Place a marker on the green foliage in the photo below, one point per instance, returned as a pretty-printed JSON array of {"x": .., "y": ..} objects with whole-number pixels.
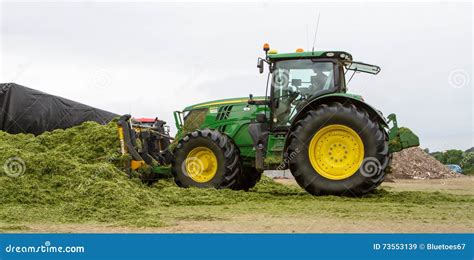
[
  {"x": 440, "y": 156},
  {"x": 454, "y": 156},
  {"x": 463, "y": 158}
]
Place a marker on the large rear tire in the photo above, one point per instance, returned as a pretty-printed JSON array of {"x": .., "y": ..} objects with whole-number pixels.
[
  {"x": 337, "y": 149},
  {"x": 206, "y": 159}
]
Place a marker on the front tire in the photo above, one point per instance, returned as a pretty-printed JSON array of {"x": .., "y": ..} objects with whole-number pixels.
[
  {"x": 206, "y": 159},
  {"x": 338, "y": 149}
]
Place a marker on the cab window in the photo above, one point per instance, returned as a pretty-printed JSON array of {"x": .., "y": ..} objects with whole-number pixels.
[{"x": 294, "y": 81}]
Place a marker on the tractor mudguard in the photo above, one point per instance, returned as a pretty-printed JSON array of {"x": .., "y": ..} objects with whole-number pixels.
[
  {"x": 342, "y": 98},
  {"x": 399, "y": 137}
]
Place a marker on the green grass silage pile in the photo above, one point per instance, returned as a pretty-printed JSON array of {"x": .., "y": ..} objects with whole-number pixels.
[
  {"x": 72, "y": 174},
  {"x": 75, "y": 176}
]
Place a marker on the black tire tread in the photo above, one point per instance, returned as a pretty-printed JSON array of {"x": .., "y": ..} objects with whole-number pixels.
[
  {"x": 372, "y": 126},
  {"x": 229, "y": 149}
]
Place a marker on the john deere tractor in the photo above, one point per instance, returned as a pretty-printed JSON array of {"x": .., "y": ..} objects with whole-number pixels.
[{"x": 333, "y": 142}]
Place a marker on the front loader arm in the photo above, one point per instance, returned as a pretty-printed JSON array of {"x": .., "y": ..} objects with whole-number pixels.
[
  {"x": 128, "y": 142},
  {"x": 145, "y": 145}
]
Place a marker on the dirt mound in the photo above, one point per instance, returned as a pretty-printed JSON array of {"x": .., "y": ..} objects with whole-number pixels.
[{"x": 414, "y": 163}]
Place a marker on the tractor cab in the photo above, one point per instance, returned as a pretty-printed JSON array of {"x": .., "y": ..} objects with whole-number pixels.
[{"x": 300, "y": 77}]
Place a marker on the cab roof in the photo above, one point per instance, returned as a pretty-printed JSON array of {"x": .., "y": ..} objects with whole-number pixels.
[{"x": 342, "y": 55}]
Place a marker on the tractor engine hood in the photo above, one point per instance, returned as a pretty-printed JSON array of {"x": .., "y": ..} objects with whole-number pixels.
[{"x": 219, "y": 102}]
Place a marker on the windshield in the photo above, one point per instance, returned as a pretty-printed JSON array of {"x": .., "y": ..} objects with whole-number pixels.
[{"x": 296, "y": 80}]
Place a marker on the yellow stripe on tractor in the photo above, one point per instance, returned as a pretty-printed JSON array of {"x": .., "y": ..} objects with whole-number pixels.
[
  {"x": 226, "y": 102},
  {"x": 123, "y": 149},
  {"x": 126, "y": 146}
]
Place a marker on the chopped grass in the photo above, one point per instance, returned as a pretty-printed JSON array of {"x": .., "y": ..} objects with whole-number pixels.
[{"x": 74, "y": 176}]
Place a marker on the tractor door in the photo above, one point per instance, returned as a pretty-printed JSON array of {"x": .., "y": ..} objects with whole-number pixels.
[{"x": 296, "y": 81}]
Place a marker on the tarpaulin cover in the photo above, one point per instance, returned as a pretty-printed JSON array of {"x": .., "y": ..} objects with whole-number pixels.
[{"x": 26, "y": 110}]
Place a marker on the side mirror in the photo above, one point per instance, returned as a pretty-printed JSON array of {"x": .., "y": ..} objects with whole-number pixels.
[{"x": 260, "y": 65}]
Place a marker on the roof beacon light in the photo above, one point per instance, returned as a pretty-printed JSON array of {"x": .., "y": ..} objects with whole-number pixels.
[
  {"x": 266, "y": 47},
  {"x": 299, "y": 50}
]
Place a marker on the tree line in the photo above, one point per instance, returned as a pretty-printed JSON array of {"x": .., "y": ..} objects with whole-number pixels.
[{"x": 465, "y": 159}]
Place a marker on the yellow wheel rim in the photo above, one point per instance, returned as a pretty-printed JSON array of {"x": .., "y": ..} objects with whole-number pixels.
[
  {"x": 201, "y": 164},
  {"x": 336, "y": 152}
]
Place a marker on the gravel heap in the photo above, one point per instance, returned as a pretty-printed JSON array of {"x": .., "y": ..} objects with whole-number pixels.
[{"x": 414, "y": 163}]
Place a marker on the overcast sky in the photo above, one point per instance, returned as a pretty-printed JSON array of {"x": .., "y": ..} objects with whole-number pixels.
[{"x": 149, "y": 59}]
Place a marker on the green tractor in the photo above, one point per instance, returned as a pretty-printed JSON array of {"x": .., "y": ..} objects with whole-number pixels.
[{"x": 333, "y": 142}]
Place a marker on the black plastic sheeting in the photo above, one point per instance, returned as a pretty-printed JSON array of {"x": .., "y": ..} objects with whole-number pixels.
[{"x": 26, "y": 110}]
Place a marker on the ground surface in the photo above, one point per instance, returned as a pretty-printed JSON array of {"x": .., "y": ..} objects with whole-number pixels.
[{"x": 402, "y": 206}]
